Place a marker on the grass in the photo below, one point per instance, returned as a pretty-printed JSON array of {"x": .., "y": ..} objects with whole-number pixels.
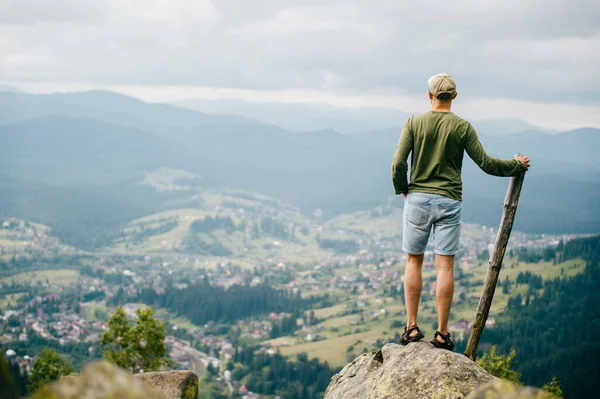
[
  {"x": 164, "y": 178},
  {"x": 247, "y": 250},
  {"x": 101, "y": 306},
  {"x": 182, "y": 322},
  {"x": 325, "y": 313},
  {"x": 166, "y": 242},
  {"x": 11, "y": 242},
  {"x": 545, "y": 269},
  {"x": 55, "y": 277},
  {"x": 10, "y": 299},
  {"x": 342, "y": 321},
  {"x": 390, "y": 224},
  {"x": 282, "y": 341},
  {"x": 179, "y": 321},
  {"x": 333, "y": 350}
]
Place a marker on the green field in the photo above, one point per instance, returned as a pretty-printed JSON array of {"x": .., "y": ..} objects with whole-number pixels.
[
  {"x": 10, "y": 241},
  {"x": 165, "y": 178},
  {"x": 100, "y": 307},
  {"x": 62, "y": 277},
  {"x": 246, "y": 251},
  {"x": 333, "y": 350},
  {"x": 9, "y": 299},
  {"x": 182, "y": 322},
  {"x": 27, "y": 239},
  {"x": 329, "y": 312}
]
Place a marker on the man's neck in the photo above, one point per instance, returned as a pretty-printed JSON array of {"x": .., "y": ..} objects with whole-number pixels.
[{"x": 439, "y": 106}]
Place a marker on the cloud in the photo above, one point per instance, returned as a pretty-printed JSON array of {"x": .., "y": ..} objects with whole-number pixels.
[
  {"x": 29, "y": 12},
  {"x": 537, "y": 51}
]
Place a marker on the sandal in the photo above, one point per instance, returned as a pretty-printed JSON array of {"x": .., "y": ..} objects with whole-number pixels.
[
  {"x": 406, "y": 338},
  {"x": 447, "y": 344}
]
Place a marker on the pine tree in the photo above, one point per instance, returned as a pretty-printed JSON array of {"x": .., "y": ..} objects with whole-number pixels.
[
  {"x": 135, "y": 348},
  {"x": 117, "y": 342}
]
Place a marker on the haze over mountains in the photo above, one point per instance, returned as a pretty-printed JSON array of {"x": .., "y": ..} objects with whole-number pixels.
[
  {"x": 316, "y": 116},
  {"x": 77, "y": 162}
]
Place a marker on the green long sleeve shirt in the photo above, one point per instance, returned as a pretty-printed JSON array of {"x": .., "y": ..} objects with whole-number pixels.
[{"x": 438, "y": 141}]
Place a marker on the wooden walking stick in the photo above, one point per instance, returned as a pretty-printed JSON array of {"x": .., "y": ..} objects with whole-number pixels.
[{"x": 508, "y": 216}]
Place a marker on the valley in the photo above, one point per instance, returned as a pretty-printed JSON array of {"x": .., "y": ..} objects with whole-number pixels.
[{"x": 348, "y": 268}]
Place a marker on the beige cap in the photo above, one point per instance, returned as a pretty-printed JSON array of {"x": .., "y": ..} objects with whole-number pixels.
[{"x": 441, "y": 83}]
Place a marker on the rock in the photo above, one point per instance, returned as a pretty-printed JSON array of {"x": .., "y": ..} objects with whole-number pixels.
[
  {"x": 103, "y": 380},
  {"x": 99, "y": 380},
  {"x": 174, "y": 384},
  {"x": 503, "y": 389},
  {"x": 417, "y": 370}
]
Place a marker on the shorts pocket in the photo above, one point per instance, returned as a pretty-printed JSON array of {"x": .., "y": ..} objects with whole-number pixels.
[
  {"x": 451, "y": 213},
  {"x": 417, "y": 212}
]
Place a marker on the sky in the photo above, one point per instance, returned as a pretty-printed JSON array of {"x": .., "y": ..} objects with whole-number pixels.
[{"x": 535, "y": 60}]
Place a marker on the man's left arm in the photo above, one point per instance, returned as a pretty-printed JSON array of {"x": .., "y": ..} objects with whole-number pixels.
[{"x": 399, "y": 162}]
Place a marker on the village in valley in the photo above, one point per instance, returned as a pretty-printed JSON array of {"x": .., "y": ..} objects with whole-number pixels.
[{"x": 348, "y": 270}]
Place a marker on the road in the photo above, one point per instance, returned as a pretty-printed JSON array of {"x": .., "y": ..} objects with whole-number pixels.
[{"x": 199, "y": 360}]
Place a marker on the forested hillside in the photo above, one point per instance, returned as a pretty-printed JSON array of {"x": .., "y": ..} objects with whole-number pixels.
[
  {"x": 557, "y": 333},
  {"x": 202, "y": 302}
]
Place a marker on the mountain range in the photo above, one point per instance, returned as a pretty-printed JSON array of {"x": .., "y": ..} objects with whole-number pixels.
[
  {"x": 77, "y": 162},
  {"x": 298, "y": 116}
]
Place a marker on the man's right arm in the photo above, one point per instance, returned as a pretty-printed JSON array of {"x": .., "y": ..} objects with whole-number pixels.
[
  {"x": 399, "y": 162},
  {"x": 490, "y": 165}
]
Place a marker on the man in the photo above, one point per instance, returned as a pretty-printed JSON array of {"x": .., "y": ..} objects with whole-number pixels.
[{"x": 437, "y": 140}]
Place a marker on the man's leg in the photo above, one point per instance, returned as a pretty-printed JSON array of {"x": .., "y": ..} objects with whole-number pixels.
[
  {"x": 415, "y": 233},
  {"x": 444, "y": 290},
  {"x": 446, "y": 238},
  {"x": 413, "y": 284}
]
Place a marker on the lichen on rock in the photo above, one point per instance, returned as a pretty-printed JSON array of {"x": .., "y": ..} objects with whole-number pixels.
[{"x": 417, "y": 370}]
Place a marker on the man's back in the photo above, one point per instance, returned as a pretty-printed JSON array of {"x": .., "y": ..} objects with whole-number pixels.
[
  {"x": 437, "y": 155},
  {"x": 437, "y": 141}
]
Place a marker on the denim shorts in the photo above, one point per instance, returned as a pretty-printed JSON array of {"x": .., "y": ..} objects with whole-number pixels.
[{"x": 425, "y": 212}]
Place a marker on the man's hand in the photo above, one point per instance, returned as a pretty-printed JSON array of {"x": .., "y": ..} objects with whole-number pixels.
[
  {"x": 524, "y": 160},
  {"x": 404, "y": 195}
]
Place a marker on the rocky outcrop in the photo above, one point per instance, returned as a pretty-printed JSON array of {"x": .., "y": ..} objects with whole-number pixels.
[
  {"x": 174, "y": 384},
  {"x": 102, "y": 380},
  {"x": 417, "y": 370},
  {"x": 502, "y": 389}
]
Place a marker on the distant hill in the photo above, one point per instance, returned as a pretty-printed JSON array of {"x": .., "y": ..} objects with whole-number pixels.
[
  {"x": 110, "y": 107},
  {"x": 78, "y": 161},
  {"x": 301, "y": 117},
  {"x": 505, "y": 127},
  {"x": 59, "y": 149},
  {"x": 83, "y": 175},
  {"x": 11, "y": 89},
  {"x": 309, "y": 116}
]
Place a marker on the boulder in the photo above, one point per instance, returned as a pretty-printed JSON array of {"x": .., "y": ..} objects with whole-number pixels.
[
  {"x": 103, "y": 380},
  {"x": 174, "y": 384},
  {"x": 503, "y": 389},
  {"x": 418, "y": 370}
]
